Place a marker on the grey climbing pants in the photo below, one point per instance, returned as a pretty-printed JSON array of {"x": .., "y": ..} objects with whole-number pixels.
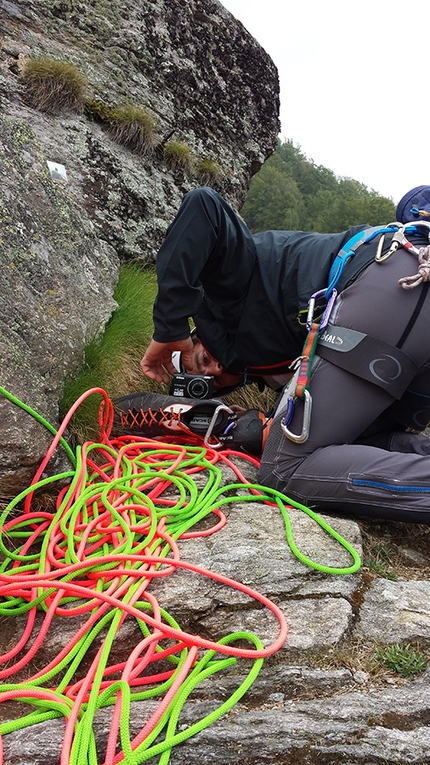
[{"x": 359, "y": 457}]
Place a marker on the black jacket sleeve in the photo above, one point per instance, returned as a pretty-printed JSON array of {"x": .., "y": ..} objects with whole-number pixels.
[{"x": 208, "y": 251}]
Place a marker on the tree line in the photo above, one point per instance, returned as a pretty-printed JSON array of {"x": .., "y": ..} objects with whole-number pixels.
[{"x": 291, "y": 192}]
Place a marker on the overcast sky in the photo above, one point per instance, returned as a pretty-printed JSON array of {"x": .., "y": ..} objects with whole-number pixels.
[{"x": 354, "y": 81}]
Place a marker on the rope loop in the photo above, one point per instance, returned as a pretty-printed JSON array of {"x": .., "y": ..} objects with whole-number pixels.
[
  {"x": 423, "y": 274},
  {"x": 91, "y": 556}
]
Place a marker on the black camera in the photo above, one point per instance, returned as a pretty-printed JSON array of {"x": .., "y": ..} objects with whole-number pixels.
[{"x": 192, "y": 386}]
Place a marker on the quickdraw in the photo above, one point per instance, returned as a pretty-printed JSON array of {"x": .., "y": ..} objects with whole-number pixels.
[
  {"x": 422, "y": 253},
  {"x": 400, "y": 240},
  {"x": 303, "y": 366}
]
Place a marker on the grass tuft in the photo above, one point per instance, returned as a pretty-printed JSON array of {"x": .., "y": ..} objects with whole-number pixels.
[
  {"x": 402, "y": 659},
  {"x": 53, "y": 85},
  {"x": 379, "y": 561},
  {"x": 178, "y": 155},
  {"x": 134, "y": 127},
  {"x": 208, "y": 170}
]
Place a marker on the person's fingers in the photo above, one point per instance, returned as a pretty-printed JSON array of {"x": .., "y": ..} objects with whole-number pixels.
[
  {"x": 187, "y": 359},
  {"x": 157, "y": 362},
  {"x": 153, "y": 371},
  {"x": 239, "y": 410},
  {"x": 168, "y": 364}
]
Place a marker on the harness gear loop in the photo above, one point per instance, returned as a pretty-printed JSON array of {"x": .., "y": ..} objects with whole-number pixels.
[
  {"x": 400, "y": 240},
  {"x": 396, "y": 242}
]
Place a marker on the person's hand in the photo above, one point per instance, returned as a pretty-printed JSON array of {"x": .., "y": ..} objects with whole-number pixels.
[
  {"x": 238, "y": 410},
  {"x": 157, "y": 361}
]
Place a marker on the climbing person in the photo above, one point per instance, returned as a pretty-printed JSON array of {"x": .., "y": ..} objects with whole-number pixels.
[
  {"x": 244, "y": 292},
  {"x": 347, "y": 313}
]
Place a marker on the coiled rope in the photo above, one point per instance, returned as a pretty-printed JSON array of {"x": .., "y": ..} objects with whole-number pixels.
[
  {"x": 118, "y": 516},
  {"x": 423, "y": 274}
]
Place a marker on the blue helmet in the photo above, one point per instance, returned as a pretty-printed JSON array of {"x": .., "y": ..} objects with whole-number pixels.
[{"x": 415, "y": 205}]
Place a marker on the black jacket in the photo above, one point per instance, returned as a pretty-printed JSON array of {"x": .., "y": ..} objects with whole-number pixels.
[
  {"x": 270, "y": 323},
  {"x": 244, "y": 292},
  {"x": 263, "y": 329}
]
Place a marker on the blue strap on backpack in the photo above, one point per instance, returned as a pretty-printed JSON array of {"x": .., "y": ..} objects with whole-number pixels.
[{"x": 348, "y": 251}]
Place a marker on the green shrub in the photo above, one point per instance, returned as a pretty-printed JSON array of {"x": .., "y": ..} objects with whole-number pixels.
[
  {"x": 134, "y": 127},
  {"x": 97, "y": 111},
  {"x": 402, "y": 659},
  {"x": 178, "y": 155},
  {"x": 53, "y": 85}
]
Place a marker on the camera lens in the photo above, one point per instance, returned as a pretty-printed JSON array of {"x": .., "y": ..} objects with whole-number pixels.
[{"x": 198, "y": 388}]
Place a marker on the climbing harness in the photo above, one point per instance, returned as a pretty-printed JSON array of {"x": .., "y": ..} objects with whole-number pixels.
[
  {"x": 355, "y": 351},
  {"x": 368, "y": 357}
]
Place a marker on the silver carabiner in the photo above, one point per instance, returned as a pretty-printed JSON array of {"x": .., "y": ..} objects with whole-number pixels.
[
  {"x": 327, "y": 311},
  {"x": 220, "y": 408},
  {"x": 397, "y": 241},
  {"x": 311, "y": 307},
  {"x": 300, "y": 438}
]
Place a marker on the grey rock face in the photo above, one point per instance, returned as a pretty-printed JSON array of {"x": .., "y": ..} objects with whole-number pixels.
[
  {"x": 207, "y": 82},
  {"x": 58, "y": 280},
  {"x": 396, "y": 611},
  {"x": 205, "y": 79}
]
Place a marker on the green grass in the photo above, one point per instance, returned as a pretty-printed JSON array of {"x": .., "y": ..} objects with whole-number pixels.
[
  {"x": 112, "y": 362},
  {"x": 178, "y": 155},
  {"x": 134, "y": 127},
  {"x": 402, "y": 659},
  {"x": 53, "y": 85},
  {"x": 207, "y": 169},
  {"x": 379, "y": 561}
]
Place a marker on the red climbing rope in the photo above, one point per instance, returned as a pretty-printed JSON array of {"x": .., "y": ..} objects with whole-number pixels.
[{"x": 114, "y": 529}]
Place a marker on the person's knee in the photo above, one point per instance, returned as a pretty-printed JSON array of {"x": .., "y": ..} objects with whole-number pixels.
[
  {"x": 265, "y": 476},
  {"x": 268, "y": 477}
]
